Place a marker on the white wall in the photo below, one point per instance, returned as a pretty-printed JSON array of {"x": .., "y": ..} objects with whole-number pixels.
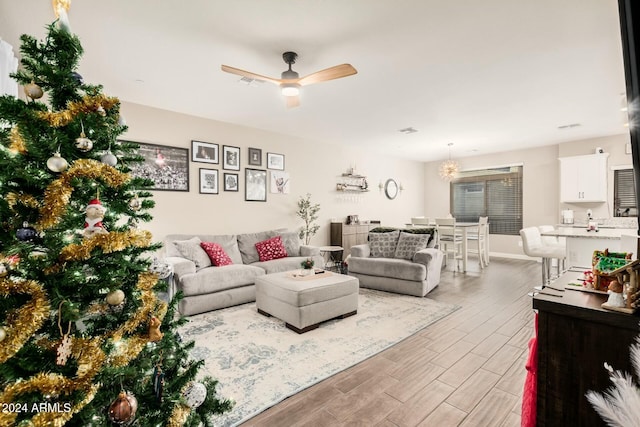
[
  {"x": 541, "y": 185},
  {"x": 314, "y": 168}
]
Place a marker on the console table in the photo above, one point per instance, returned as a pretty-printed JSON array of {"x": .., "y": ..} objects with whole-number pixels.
[{"x": 575, "y": 338}]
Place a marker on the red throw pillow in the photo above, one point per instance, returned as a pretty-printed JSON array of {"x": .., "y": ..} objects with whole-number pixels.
[
  {"x": 271, "y": 249},
  {"x": 217, "y": 255}
]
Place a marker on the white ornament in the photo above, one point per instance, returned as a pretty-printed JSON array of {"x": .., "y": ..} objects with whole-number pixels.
[
  {"x": 194, "y": 394},
  {"x": 109, "y": 159},
  {"x": 3, "y": 333},
  {"x": 64, "y": 350},
  {"x": 115, "y": 297},
  {"x": 57, "y": 163},
  {"x": 135, "y": 204},
  {"x": 162, "y": 269},
  {"x": 83, "y": 143}
]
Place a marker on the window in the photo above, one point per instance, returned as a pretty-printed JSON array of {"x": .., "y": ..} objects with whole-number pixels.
[
  {"x": 496, "y": 193},
  {"x": 624, "y": 193}
]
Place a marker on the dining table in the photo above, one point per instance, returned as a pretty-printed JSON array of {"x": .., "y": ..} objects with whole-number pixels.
[{"x": 465, "y": 227}]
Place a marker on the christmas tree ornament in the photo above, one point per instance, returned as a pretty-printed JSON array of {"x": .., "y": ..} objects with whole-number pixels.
[
  {"x": 93, "y": 220},
  {"x": 26, "y": 423},
  {"x": 154, "y": 329},
  {"x": 158, "y": 381},
  {"x": 57, "y": 163},
  {"x": 26, "y": 233},
  {"x": 64, "y": 348},
  {"x": 194, "y": 394},
  {"x": 121, "y": 120},
  {"x": 82, "y": 142},
  {"x": 100, "y": 110},
  {"x": 123, "y": 409},
  {"x": 77, "y": 77},
  {"x": 108, "y": 158},
  {"x": 3, "y": 333},
  {"x": 33, "y": 91},
  {"x": 60, "y": 8},
  {"x": 115, "y": 297},
  {"x": 162, "y": 269},
  {"x": 3, "y": 270},
  {"x": 135, "y": 204}
]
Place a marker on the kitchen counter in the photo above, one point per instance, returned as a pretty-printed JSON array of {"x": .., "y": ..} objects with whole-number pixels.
[{"x": 581, "y": 243}]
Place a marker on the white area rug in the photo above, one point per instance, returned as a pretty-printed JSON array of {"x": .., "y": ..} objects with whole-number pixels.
[{"x": 259, "y": 362}]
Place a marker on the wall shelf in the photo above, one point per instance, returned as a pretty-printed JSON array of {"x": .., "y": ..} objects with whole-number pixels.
[{"x": 349, "y": 183}]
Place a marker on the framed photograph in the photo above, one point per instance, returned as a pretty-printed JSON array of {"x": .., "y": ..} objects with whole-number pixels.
[
  {"x": 255, "y": 156},
  {"x": 230, "y": 158},
  {"x": 167, "y": 167},
  {"x": 275, "y": 161},
  {"x": 279, "y": 182},
  {"x": 255, "y": 185},
  {"x": 208, "y": 181},
  {"x": 204, "y": 152},
  {"x": 230, "y": 181}
]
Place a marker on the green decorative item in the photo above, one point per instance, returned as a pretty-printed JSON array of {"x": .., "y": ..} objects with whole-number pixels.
[
  {"x": 309, "y": 213},
  {"x": 307, "y": 264}
]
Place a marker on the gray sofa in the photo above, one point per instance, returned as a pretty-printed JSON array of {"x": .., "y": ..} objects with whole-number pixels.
[
  {"x": 207, "y": 287},
  {"x": 397, "y": 260}
]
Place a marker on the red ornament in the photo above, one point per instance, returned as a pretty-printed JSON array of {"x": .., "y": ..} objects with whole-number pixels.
[{"x": 123, "y": 409}]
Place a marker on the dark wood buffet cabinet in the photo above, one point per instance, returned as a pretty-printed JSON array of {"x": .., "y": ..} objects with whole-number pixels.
[{"x": 576, "y": 336}]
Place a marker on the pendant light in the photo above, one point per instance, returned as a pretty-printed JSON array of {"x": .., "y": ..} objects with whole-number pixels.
[{"x": 448, "y": 168}]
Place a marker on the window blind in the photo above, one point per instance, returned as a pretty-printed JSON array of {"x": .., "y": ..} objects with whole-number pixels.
[
  {"x": 624, "y": 193},
  {"x": 495, "y": 193}
]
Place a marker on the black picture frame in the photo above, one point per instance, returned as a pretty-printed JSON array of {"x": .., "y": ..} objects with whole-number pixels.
[
  {"x": 166, "y": 166},
  {"x": 255, "y": 185},
  {"x": 231, "y": 181},
  {"x": 275, "y": 161},
  {"x": 209, "y": 182},
  {"x": 204, "y": 152},
  {"x": 230, "y": 157},
  {"x": 255, "y": 156}
]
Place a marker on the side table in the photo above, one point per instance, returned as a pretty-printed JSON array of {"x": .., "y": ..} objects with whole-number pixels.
[{"x": 333, "y": 257}]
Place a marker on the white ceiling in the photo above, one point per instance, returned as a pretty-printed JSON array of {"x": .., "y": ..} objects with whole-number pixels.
[{"x": 485, "y": 75}]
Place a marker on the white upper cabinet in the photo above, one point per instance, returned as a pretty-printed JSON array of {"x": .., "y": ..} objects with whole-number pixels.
[{"x": 583, "y": 178}]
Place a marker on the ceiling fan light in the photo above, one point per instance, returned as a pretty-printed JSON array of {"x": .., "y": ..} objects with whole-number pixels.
[{"x": 290, "y": 89}]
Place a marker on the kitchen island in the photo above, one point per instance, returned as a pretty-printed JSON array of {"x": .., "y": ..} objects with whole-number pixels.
[{"x": 581, "y": 243}]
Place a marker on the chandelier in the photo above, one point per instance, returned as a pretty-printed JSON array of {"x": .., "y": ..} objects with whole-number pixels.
[{"x": 448, "y": 168}]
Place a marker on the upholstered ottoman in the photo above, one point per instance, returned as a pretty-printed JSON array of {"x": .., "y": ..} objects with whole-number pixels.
[{"x": 304, "y": 302}]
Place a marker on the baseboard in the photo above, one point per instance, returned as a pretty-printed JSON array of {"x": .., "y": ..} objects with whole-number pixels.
[{"x": 513, "y": 256}]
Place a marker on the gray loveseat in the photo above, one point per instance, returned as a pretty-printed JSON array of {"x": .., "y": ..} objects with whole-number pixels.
[
  {"x": 208, "y": 287},
  {"x": 396, "y": 260}
]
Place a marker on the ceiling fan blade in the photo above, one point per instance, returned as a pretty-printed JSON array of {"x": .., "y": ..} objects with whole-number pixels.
[
  {"x": 332, "y": 73},
  {"x": 292, "y": 101},
  {"x": 249, "y": 74}
]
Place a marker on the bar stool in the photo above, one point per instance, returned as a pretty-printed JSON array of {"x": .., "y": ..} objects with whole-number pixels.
[
  {"x": 555, "y": 243},
  {"x": 533, "y": 247}
]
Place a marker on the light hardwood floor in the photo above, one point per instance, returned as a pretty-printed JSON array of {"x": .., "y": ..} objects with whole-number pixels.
[{"x": 467, "y": 369}]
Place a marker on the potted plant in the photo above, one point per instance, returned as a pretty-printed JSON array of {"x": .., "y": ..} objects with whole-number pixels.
[
  {"x": 309, "y": 213},
  {"x": 307, "y": 267}
]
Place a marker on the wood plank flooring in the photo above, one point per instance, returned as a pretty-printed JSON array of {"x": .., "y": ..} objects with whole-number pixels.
[{"x": 468, "y": 369}]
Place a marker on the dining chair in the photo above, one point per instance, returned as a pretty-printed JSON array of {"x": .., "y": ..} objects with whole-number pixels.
[
  {"x": 450, "y": 239},
  {"x": 481, "y": 237},
  {"x": 420, "y": 221},
  {"x": 533, "y": 247}
]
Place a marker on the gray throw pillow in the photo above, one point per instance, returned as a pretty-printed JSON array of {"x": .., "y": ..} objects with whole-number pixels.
[
  {"x": 409, "y": 244},
  {"x": 247, "y": 245},
  {"x": 383, "y": 245},
  {"x": 291, "y": 242},
  {"x": 191, "y": 250}
]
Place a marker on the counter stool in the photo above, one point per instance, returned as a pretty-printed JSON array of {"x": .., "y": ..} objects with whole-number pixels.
[
  {"x": 533, "y": 247},
  {"x": 554, "y": 243}
]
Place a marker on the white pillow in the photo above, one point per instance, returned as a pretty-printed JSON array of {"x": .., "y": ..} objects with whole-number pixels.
[{"x": 191, "y": 250}]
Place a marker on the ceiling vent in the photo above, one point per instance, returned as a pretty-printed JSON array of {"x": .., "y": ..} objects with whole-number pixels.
[
  {"x": 569, "y": 126},
  {"x": 408, "y": 130},
  {"x": 249, "y": 81}
]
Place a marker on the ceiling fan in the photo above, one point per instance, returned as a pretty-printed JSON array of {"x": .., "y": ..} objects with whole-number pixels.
[{"x": 291, "y": 82}]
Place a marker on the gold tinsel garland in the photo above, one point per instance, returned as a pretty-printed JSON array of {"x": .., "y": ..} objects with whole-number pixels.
[
  {"x": 17, "y": 142},
  {"x": 146, "y": 282},
  {"x": 27, "y": 319},
  {"x": 24, "y": 199},
  {"x": 110, "y": 242},
  {"x": 90, "y": 360},
  {"x": 58, "y": 193},
  {"x": 179, "y": 415},
  {"x": 89, "y": 104}
]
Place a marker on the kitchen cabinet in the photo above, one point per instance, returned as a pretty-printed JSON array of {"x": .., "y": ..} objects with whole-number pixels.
[{"x": 583, "y": 178}]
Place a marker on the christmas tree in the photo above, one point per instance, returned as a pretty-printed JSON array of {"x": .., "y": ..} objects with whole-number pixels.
[{"x": 84, "y": 339}]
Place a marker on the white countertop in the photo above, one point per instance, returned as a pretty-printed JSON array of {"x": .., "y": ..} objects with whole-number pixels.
[{"x": 603, "y": 233}]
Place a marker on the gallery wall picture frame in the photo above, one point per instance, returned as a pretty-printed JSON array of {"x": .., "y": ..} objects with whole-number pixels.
[
  {"x": 230, "y": 157},
  {"x": 255, "y": 185},
  {"x": 231, "y": 181},
  {"x": 255, "y": 156},
  {"x": 279, "y": 182},
  {"x": 204, "y": 152},
  {"x": 166, "y": 166},
  {"x": 275, "y": 161},
  {"x": 209, "y": 182}
]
